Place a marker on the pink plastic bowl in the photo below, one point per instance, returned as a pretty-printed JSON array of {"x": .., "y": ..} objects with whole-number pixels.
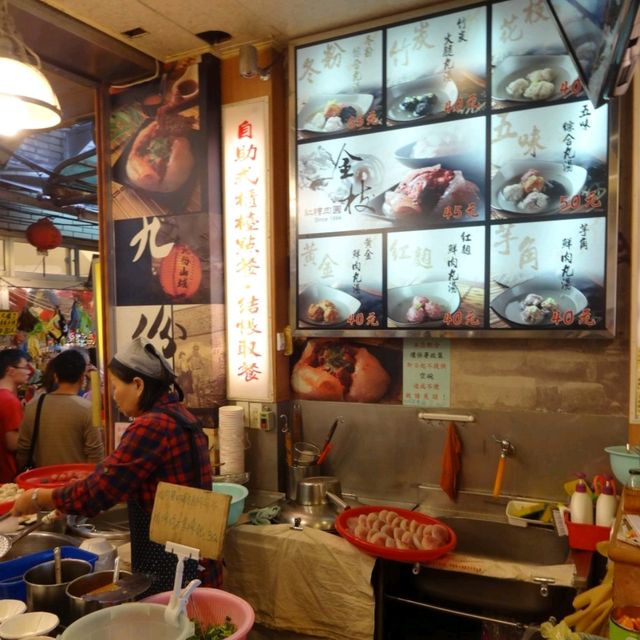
[{"x": 211, "y": 606}]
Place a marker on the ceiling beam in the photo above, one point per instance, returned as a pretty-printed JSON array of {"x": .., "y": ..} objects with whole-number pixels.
[{"x": 68, "y": 46}]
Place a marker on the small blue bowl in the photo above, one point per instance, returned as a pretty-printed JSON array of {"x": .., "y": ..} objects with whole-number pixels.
[{"x": 238, "y": 495}]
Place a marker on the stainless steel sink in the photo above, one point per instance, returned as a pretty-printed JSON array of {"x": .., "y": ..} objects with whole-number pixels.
[
  {"x": 516, "y": 600},
  {"x": 502, "y": 541},
  {"x": 39, "y": 541},
  {"x": 525, "y": 595}
]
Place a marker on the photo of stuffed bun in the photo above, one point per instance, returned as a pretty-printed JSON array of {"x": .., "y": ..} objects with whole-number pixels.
[
  {"x": 161, "y": 158},
  {"x": 337, "y": 370}
]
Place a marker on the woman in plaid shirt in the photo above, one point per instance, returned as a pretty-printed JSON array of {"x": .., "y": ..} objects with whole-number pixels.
[{"x": 165, "y": 442}]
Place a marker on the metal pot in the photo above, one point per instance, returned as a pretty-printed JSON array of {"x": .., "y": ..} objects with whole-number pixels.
[
  {"x": 43, "y": 594},
  {"x": 313, "y": 491},
  {"x": 77, "y": 606},
  {"x": 312, "y": 508}
]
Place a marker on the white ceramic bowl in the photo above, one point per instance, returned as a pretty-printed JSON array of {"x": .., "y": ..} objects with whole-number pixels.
[
  {"x": 9, "y": 608},
  {"x": 28, "y": 625}
]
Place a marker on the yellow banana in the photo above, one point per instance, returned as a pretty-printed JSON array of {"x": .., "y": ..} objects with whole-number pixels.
[
  {"x": 593, "y": 616},
  {"x": 591, "y": 606},
  {"x": 595, "y": 627}
]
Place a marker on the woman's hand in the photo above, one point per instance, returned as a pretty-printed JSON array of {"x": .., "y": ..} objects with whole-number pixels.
[{"x": 32, "y": 501}]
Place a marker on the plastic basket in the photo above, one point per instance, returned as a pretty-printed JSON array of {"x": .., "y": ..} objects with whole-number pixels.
[
  {"x": 130, "y": 621},
  {"x": 12, "y": 571},
  {"x": 211, "y": 606},
  {"x": 585, "y": 536}
]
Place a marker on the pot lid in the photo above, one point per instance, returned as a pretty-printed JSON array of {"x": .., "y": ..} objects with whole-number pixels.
[{"x": 320, "y": 516}]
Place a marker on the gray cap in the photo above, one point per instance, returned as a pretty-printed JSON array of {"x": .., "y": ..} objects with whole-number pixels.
[{"x": 142, "y": 357}]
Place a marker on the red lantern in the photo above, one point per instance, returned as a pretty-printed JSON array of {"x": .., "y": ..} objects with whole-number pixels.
[
  {"x": 44, "y": 235},
  {"x": 180, "y": 272}
]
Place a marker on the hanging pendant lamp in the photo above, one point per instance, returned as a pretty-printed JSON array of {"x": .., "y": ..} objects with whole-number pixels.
[{"x": 27, "y": 101}]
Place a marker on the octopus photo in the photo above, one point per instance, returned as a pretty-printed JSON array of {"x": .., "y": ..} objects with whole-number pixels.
[{"x": 430, "y": 190}]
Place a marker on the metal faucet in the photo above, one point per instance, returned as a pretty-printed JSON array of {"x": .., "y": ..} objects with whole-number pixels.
[{"x": 506, "y": 449}]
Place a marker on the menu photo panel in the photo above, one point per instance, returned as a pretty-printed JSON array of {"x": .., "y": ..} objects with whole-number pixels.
[{"x": 478, "y": 175}]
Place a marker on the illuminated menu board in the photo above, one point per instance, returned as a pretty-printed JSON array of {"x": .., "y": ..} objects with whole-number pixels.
[{"x": 451, "y": 178}]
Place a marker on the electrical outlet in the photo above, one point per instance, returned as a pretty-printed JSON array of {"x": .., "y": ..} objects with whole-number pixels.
[{"x": 254, "y": 414}]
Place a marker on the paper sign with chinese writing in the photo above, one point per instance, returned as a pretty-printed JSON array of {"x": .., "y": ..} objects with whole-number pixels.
[
  {"x": 247, "y": 250},
  {"x": 8, "y": 322},
  {"x": 426, "y": 378},
  {"x": 194, "y": 517}
]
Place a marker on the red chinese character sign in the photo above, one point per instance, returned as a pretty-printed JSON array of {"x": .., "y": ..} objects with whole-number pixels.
[{"x": 247, "y": 254}]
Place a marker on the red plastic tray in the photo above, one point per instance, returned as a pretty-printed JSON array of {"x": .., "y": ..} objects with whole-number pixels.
[
  {"x": 400, "y": 555},
  {"x": 6, "y": 506},
  {"x": 53, "y": 476}
]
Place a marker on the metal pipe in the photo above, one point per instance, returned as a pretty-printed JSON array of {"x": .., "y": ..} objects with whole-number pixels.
[
  {"x": 461, "y": 614},
  {"x": 427, "y": 415}
]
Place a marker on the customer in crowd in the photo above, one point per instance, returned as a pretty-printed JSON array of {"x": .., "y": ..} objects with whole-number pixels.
[
  {"x": 14, "y": 372},
  {"x": 65, "y": 431},
  {"x": 165, "y": 442}
]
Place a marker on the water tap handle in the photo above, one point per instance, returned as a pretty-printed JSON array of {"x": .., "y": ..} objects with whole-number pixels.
[{"x": 506, "y": 448}]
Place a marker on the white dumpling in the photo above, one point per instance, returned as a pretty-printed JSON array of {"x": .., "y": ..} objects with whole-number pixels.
[
  {"x": 535, "y": 201},
  {"x": 540, "y": 90},
  {"x": 513, "y": 192},
  {"x": 516, "y": 88},
  {"x": 549, "y": 75}
]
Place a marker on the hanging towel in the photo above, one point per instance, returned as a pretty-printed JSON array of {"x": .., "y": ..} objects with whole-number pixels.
[{"x": 451, "y": 462}]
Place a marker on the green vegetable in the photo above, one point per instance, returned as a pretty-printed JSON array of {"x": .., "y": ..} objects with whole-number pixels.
[
  {"x": 159, "y": 149},
  {"x": 214, "y": 631}
]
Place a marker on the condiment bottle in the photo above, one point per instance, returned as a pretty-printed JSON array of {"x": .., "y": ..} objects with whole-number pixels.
[
  {"x": 581, "y": 505},
  {"x": 632, "y": 492},
  {"x": 606, "y": 505}
]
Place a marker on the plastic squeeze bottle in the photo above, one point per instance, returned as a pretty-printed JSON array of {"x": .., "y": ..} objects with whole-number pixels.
[
  {"x": 581, "y": 505},
  {"x": 606, "y": 506}
]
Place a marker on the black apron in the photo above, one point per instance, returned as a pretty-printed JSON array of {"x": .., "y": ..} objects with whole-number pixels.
[{"x": 149, "y": 557}]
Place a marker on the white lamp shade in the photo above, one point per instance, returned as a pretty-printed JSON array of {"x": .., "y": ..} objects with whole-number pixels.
[{"x": 27, "y": 100}]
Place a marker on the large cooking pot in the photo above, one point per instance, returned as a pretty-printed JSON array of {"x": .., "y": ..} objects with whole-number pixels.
[
  {"x": 79, "y": 587},
  {"x": 44, "y": 594},
  {"x": 312, "y": 506}
]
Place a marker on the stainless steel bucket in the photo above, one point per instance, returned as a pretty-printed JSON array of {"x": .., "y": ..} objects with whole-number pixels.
[{"x": 43, "y": 594}]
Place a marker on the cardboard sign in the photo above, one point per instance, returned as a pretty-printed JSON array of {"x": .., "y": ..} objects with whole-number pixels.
[
  {"x": 193, "y": 517},
  {"x": 8, "y": 322}
]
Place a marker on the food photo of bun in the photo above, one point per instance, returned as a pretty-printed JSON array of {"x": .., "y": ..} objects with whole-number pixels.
[
  {"x": 338, "y": 370},
  {"x": 161, "y": 158}
]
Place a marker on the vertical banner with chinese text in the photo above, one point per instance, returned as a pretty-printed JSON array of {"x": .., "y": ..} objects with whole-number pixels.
[
  {"x": 167, "y": 224},
  {"x": 247, "y": 250}
]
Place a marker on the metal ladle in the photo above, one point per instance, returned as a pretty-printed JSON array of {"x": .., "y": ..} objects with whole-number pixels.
[{"x": 7, "y": 541}]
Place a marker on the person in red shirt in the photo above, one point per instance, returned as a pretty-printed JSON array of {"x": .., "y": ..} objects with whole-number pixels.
[{"x": 14, "y": 372}]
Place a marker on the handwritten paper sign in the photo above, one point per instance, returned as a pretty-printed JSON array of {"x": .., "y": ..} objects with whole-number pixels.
[
  {"x": 426, "y": 373},
  {"x": 193, "y": 517},
  {"x": 8, "y": 322}
]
